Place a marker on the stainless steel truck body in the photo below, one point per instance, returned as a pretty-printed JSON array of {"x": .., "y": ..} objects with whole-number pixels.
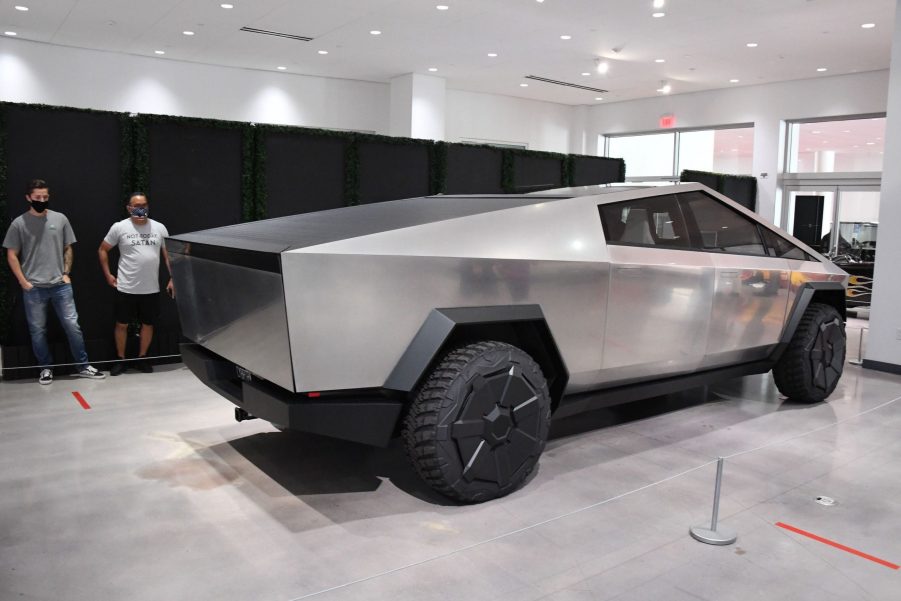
[{"x": 335, "y": 322}]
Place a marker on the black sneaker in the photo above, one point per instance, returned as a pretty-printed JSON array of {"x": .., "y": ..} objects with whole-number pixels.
[
  {"x": 143, "y": 366},
  {"x": 117, "y": 368}
]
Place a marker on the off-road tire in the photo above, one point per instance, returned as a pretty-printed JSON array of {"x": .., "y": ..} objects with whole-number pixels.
[
  {"x": 477, "y": 426},
  {"x": 811, "y": 366}
]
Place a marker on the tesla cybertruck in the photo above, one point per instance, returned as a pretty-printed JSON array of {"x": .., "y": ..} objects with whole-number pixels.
[{"x": 464, "y": 324}]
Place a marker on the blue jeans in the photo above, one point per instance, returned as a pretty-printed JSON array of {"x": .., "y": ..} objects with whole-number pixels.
[{"x": 60, "y": 296}]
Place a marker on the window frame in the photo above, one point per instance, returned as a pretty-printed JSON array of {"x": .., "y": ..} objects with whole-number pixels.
[{"x": 677, "y": 171}]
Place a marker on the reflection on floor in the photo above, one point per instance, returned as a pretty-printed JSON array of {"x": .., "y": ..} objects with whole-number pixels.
[{"x": 156, "y": 493}]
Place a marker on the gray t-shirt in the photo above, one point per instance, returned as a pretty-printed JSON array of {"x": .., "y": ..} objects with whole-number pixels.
[
  {"x": 40, "y": 242},
  {"x": 139, "y": 255}
]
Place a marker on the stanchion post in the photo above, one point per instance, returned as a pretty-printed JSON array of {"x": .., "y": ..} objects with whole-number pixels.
[
  {"x": 859, "y": 360},
  {"x": 715, "y": 534}
]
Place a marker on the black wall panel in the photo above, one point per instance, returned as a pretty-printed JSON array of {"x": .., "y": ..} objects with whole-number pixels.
[
  {"x": 742, "y": 190},
  {"x": 195, "y": 175},
  {"x": 537, "y": 173},
  {"x": 588, "y": 171},
  {"x": 711, "y": 180},
  {"x": 78, "y": 153},
  {"x": 393, "y": 171},
  {"x": 473, "y": 170},
  {"x": 195, "y": 184},
  {"x": 303, "y": 173}
]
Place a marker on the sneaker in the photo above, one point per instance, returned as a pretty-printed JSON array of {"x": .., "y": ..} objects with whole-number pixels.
[
  {"x": 46, "y": 376},
  {"x": 90, "y": 372},
  {"x": 117, "y": 368},
  {"x": 143, "y": 366}
]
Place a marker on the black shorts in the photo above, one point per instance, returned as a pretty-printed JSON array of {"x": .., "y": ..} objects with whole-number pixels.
[{"x": 143, "y": 308}]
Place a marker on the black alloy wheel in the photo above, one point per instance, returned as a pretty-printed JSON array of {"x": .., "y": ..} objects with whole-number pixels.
[
  {"x": 811, "y": 367},
  {"x": 477, "y": 426}
]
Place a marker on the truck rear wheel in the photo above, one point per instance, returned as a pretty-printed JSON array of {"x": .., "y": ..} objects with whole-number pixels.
[
  {"x": 810, "y": 368},
  {"x": 479, "y": 423}
]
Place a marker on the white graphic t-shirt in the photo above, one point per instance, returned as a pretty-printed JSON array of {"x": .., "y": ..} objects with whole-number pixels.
[{"x": 139, "y": 255}]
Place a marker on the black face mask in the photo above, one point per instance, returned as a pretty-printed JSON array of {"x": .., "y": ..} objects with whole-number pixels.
[{"x": 39, "y": 205}]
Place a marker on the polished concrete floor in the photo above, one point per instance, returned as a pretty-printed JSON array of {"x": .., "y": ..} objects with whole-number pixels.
[{"x": 156, "y": 493}]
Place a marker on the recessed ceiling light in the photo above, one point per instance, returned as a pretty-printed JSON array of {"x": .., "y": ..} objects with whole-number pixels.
[
  {"x": 159, "y": 52},
  {"x": 752, "y": 44},
  {"x": 524, "y": 85},
  {"x": 539, "y": 1},
  {"x": 733, "y": 81},
  {"x": 280, "y": 68},
  {"x": 188, "y": 32},
  {"x": 666, "y": 89},
  {"x": 871, "y": 143},
  {"x": 322, "y": 52},
  {"x": 442, "y": 7},
  {"x": 586, "y": 74},
  {"x": 375, "y": 32},
  {"x": 598, "y": 98},
  {"x": 492, "y": 54},
  {"x": 12, "y": 33},
  {"x": 659, "y": 3},
  {"x": 821, "y": 69},
  {"x": 658, "y": 15},
  {"x": 227, "y": 6},
  {"x": 433, "y": 69},
  {"x": 659, "y": 60},
  {"x": 846, "y": 131},
  {"x": 22, "y": 8},
  {"x": 865, "y": 25},
  {"x": 566, "y": 37},
  {"x": 602, "y": 66},
  {"x": 735, "y": 150}
]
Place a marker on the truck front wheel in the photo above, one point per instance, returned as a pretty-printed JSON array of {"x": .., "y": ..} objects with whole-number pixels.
[
  {"x": 479, "y": 423},
  {"x": 812, "y": 364}
]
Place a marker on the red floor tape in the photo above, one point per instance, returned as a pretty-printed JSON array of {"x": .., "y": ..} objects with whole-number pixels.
[
  {"x": 831, "y": 543},
  {"x": 81, "y": 401}
]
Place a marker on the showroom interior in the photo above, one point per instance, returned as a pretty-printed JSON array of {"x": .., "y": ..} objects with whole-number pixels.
[{"x": 146, "y": 486}]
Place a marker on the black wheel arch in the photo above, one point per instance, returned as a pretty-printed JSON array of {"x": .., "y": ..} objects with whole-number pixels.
[
  {"x": 828, "y": 293},
  {"x": 523, "y": 326}
]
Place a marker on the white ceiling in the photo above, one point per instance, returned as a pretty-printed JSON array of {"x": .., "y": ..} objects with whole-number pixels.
[{"x": 702, "y": 41}]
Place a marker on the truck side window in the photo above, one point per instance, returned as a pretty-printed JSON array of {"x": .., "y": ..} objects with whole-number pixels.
[
  {"x": 777, "y": 246},
  {"x": 653, "y": 221},
  {"x": 721, "y": 228}
]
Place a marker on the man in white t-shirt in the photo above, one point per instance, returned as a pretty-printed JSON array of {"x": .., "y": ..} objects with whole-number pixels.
[{"x": 141, "y": 242}]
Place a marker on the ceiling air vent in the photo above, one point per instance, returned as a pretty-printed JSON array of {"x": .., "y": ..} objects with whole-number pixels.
[
  {"x": 278, "y": 34},
  {"x": 566, "y": 83}
]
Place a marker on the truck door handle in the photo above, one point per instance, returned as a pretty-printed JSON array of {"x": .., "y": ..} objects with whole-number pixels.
[{"x": 729, "y": 274}]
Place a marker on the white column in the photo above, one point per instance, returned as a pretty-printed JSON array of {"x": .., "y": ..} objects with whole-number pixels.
[
  {"x": 578, "y": 131},
  {"x": 884, "y": 342},
  {"x": 766, "y": 161},
  {"x": 418, "y": 106}
]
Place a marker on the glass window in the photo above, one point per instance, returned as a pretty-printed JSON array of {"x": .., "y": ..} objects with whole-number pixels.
[
  {"x": 847, "y": 146},
  {"x": 654, "y": 221},
  {"x": 777, "y": 246},
  {"x": 718, "y": 150},
  {"x": 721, "y": 228},
  {"x": 647, "y": 155}
]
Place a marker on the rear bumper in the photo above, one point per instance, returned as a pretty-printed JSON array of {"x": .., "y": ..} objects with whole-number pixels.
[{"x": 366, "y": 417}]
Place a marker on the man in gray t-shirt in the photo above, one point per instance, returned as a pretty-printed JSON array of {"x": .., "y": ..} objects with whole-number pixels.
[
  {"x": 141, "y": 243},
  {"x": 39, "y": 251}
]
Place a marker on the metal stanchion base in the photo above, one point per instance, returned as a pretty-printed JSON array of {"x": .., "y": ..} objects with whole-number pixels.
[{"x": 721, "y": 536}]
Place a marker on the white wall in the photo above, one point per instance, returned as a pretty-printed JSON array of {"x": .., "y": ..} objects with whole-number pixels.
[
  {"x": 42, "y": 73},
  {"x": 883, "y": 344},
  {"x": 488, "y": 117},
  {"x": 767, "y": 106}
]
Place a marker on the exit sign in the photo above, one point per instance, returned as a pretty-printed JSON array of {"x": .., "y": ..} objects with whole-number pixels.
[{"x": 667, "y": 121}]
